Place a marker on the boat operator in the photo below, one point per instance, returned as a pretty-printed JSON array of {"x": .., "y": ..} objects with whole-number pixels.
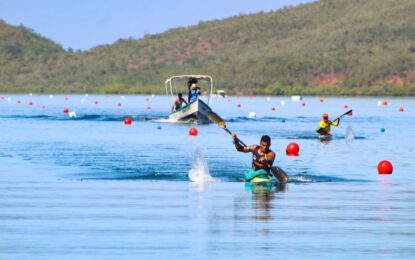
[
  {"x": 194, "y": 90},
  {"x": 262, "y": 158}
]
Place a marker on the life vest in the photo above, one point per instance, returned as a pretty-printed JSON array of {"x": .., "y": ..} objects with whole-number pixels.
[{"x": 193, "y": 94}]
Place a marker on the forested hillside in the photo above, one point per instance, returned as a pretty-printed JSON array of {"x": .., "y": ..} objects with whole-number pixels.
[{"x": 329, "y": 47}]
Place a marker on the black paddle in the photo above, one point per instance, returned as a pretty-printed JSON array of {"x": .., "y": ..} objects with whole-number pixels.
[
  {"x": 347, "y": 113},
  {"x": 279, "y": 173}
]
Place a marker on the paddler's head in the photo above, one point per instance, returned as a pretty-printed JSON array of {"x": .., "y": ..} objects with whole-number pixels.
[
  {"x": 325, "y": 117},
  {"x": 265, "y": 143},
  {"x": 180, "y": 95}
]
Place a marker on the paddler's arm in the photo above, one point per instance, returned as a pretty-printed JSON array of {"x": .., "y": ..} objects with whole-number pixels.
[
  {"x": 268, "y": 159},
  {"x": 336, "y": 122},
  {"x": 239, "y": 147}
]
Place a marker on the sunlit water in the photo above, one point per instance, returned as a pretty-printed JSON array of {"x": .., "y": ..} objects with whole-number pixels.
[{"x": 92, "y": 187}]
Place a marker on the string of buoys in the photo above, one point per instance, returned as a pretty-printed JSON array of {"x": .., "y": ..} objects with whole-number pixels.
[{"x": 292, "y": 149}]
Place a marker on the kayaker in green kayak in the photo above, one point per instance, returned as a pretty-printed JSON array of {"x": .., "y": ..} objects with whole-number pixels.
[
  {"x": 324, "y": 125},
  {"x": 262, "y": 159}
]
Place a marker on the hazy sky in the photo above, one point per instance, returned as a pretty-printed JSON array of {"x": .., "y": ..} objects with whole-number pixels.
[{"x": 83, "y": 24}]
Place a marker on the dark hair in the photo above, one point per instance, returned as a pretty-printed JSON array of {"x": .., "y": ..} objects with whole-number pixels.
[
  {"x": 192, "y": 80},
  {"x": 180, "y": 94},
  {"x": 266, "y": 138}
]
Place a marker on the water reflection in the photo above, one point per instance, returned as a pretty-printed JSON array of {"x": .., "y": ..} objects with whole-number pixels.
[{"x": 262, "y": 196}]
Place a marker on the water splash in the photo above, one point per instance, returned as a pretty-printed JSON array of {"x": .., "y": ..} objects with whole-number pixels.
[
  {"x": 199, "y": 172},
  {"x": 349, "y": 133}
]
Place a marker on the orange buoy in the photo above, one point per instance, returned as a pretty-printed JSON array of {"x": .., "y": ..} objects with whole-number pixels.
[
  {"x": 128, "y": 121},
  {"x": 292, "y": 149},
  {"x": 193, "y": 132},
  {"x": 401, "y": 109},
  {"x": 66, "y": 111},
  {"x": 385, "y": 167}
]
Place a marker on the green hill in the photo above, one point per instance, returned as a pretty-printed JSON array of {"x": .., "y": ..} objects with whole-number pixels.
[{"x": 332, "y": 47}]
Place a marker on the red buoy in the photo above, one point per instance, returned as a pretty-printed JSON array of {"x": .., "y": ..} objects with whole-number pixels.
[
  {"x": 148, "y": 108},
  {"x": 385, "y": 103},
  {"x": 30, "y": 103},
  {"x": 66, "y": 111},
  {"x": 128, "y": 121},
  {"x": 238, "y": 105},
  {"x": 321, "y": 100},
  {"x": 385, "y": 167},
  {"x": 273, "y": 109},
  {"x": 19, "y": 102},
  {"x": 147, "y": 99},
  {"x": 119, "y": 104},
  {"x": 303, "y": 104},
  {"x": 346, "y": 106},
  {"x": 401, "y": 109},
  {"x": 292, "y": 149},
  {"x": 193, "y": 132},
  {"x": 96, "y": 102}
]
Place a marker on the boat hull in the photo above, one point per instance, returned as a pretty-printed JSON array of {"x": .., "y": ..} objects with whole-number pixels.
[
  {"x": 195, "y": 112},
  {"x": 324, "y": 137}
]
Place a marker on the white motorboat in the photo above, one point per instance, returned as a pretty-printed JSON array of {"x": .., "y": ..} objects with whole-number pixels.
[{"x": 195, "y": 111}]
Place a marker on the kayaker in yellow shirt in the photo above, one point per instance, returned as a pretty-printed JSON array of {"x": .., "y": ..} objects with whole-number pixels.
[{"x": 324, "y": 125}]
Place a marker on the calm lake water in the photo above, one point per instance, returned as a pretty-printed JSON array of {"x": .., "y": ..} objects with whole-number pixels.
[{"x": 92, "y": 187}]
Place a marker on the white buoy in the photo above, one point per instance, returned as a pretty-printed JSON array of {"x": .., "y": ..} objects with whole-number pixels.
[
  {"x": 152, "y": 95},
  {"x": 122, "y": 97},
  {"x": 9, "y": 99},
  {"x": 268, "y": 98},
  {"x": 51, "y": 96},
  {"x": 282, "y": 103},
  {"x": 82, "y": 100},
  {"x": 380, "y": 103},
  {"x": 86, "y": 94},
  {"x": 72, "y": 114},
  {"x": 252, "y": 115},
  {"x": 296, "y": 98}
]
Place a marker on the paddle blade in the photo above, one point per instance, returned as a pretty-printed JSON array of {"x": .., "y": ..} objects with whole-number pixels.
[
  {"x": 216, "y": 119},
  {"x": 280, "y": 174},
  {"x": 347, "y": 113}
]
